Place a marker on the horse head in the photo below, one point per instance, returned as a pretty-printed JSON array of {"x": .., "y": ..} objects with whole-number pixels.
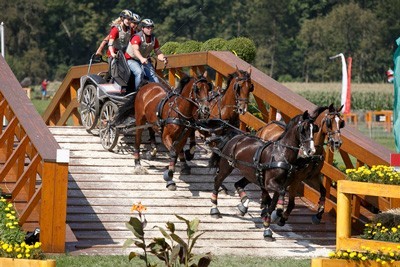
[
  {"x": 201, "y": 89},
  {"x": 242, "y": 87},
  {"x": 306, "y": 129},
  {"x": 331, "y": 124}
]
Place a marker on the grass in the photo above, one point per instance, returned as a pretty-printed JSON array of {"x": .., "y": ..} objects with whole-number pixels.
[{"x": 230, "y": 260}]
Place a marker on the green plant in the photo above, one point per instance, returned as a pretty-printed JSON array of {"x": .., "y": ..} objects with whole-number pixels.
[
  {"x": 188, "y": 47},
  {"x": 169, "y": 48},
  {"x": 171, "y": 249},
  {"x": 215, "y": 44},
  {"x": 243, "y": 47},
  {"x": 376, "y": 174},
  {"x": 12, "y": 244}
]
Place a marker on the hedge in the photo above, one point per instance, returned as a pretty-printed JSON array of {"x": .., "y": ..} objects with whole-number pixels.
[{"x": 243, "y": 47}]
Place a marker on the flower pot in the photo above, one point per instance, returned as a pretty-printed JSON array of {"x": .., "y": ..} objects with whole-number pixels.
[
  {"x": 10, "y": 262},
  {"x": 325, "y": 262}
]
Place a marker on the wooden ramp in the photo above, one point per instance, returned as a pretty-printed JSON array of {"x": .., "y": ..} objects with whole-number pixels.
[{"x": 102, "y": 188}]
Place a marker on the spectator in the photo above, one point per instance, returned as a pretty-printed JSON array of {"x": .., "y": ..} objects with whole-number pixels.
[{"x": 44, "y": 84}]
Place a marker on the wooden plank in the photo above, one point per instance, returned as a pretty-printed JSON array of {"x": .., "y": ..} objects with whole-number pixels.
[{"x": 100, "y": 198}]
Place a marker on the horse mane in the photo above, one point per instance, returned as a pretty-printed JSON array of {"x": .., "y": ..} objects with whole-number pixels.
[
  {"x": 233, "y": 75},
  {"x": 182, "y": 83},
  {"x": 291, "y": 124},
  {"x": 318, "y": 111}
]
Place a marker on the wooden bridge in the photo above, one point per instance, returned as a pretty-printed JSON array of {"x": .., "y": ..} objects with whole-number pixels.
[{"x": 94, "y": 190}]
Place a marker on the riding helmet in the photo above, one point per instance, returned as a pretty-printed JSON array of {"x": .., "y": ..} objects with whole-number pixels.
[
  {"x": 135, "y": 18},
  {"x": 147, "y": 23},
  {"x": 126, "y": 14}
]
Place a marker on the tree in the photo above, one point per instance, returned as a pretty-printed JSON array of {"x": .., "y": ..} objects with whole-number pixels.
[{"x": 347, "y": 29}]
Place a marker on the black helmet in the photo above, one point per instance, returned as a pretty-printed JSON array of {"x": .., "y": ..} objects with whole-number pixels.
[
  {"x": 147, "y": 23},
  {"x": 126, "y": 14},
  {"x": 135, "y": 18}
]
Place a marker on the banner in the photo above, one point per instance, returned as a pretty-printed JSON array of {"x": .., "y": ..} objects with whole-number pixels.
[
  {"x": 396, "y": 104},
  {"x": 344, "y": 80},
  {"x": 347, "y": 107}
]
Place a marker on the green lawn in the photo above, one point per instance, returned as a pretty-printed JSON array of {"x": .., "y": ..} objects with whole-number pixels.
[{"x": 223, "y": 261}]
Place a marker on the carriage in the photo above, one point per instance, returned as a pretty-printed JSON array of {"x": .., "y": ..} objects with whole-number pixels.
[{"x": 100, "y": 96}]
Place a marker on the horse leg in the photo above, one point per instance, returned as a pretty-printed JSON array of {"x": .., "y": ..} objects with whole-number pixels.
[
  {"x": 220, "y": 176},
  {"x": 189, "y": 153},
  {"x": 244, "y": 200},
  {"x": 138, "y": 141},
  {"x": 213, "y": 161},
  {"x": 267, "y": 218},
  {"x": 153, "y": 146},
  {"x": 316, "y": 219},
  {"x": 291, "y": 203},
  {"x": 169, "y": 173},
  {"x": 185, "y": 168},
  {"x": 265, "y": 200}
]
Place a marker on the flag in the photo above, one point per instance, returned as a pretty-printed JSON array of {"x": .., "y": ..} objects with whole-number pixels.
[
  {"x": 345, "y": 97},
  {"x": 396, "y": 104}
]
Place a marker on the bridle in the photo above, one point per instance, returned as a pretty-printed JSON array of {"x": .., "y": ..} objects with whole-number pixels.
[
  {"x": 328, "y": 120},
  {"x": 237, "y": 87}
]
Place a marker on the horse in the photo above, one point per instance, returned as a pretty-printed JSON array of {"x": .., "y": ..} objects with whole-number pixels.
[
  {"x": 307, "y": 168},
  {"x": 228, "y": 103},
  {"x": 267, "y": 164},
  {"x": 172, "y": 113}
]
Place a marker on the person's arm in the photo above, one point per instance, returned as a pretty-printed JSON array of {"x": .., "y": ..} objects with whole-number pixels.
[
  {"x": 103, "y": 43},
  {"x": 137, "y": 54},
  {"x": 159, "y": 53},
  {"x": 111, "y": 38}
]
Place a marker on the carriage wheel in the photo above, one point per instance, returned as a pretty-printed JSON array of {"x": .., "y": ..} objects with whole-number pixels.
[
  {"x": 89, "y": 107},
  {"x": 108, "y": 132}
]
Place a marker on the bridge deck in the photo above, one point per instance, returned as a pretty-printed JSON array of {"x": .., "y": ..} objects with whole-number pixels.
[{"x": 103, "y": 187}]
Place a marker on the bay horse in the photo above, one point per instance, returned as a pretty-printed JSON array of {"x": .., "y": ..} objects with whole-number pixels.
[
  {"x": 172, "y": 114},
  {"x": 228, "y": 103},
  {"x": 267, "y": 164},
  {"x": 307, "y": 168}
]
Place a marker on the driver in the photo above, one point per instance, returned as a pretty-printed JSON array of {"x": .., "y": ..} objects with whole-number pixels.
[{"x": 138, "y": 51}]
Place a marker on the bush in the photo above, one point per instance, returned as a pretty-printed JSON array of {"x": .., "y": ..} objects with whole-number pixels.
[
  {"x": 242, "y": 47},
  {"x": 169, "y": 48},
  {"x": 189, "y": 47},
  {"x": 214, "y": 44}
]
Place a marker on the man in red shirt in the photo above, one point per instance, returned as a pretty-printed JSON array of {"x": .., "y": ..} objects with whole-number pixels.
[
  {"x": 44, "y": 84},
  {"x": 138, "y": 51}
]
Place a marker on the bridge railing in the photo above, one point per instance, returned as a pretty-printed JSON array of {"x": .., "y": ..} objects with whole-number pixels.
[
  {"x": 31, "y": 174},
  {"x": 270, "y": 97}
]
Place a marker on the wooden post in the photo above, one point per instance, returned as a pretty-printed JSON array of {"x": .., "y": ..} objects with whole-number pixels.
[
  {"x": 53, "y": 207},
  {"x": 343, "y": 224}
]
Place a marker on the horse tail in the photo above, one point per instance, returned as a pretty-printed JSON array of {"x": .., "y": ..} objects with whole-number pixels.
[{"x": 126, "y": 110}]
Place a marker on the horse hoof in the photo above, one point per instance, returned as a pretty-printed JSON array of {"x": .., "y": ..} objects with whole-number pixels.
[
  {"x": 171, "y": 186},
  {"x": 268, "y": 235},
  {"x": 168, "y": 175},
  {"x": 214, "y": 212},
  {"x": 188, "y": 156},
  {"x": 264, "y": 212},
  {"x": 315, "y": 219},
  {"x": 275, "y": 217},
  {"x": 242, "y": 209}
]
